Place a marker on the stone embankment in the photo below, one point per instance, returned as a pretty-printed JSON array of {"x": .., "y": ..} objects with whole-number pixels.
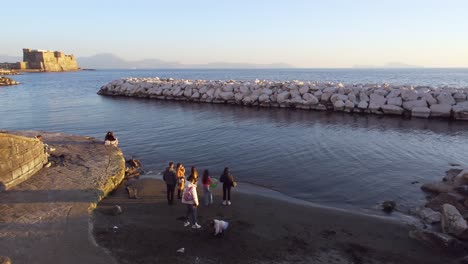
[
  {"x": 419, "y": 101},
  {"x": 46, "y": 218},
  {"x": 5, "y": 81},
  {"x": 20, "y": 158}
]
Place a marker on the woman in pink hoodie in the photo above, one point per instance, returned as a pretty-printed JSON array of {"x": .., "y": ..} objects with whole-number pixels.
[{"x": 190, "y": 198}]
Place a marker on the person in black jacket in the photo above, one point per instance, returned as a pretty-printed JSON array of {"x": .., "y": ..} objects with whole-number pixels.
[
  {"x": 170, "y": 178},
  {"x": 228, "y": 182}
]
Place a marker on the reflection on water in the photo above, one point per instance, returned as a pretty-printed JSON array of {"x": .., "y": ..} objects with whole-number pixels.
[{"x": 336, "y": 159}]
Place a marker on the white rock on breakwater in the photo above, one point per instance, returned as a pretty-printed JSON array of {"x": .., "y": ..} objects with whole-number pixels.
[{"x": 418, "y": 101}]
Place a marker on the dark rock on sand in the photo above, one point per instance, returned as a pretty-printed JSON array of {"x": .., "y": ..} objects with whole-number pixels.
[
  {"x": 439, "y": 241},
  {"x": 133, "y": 168},
  {"x": 388, "y": 206}
]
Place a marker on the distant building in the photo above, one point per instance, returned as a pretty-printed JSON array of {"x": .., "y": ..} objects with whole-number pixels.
[{"x": 44, "y": 60}]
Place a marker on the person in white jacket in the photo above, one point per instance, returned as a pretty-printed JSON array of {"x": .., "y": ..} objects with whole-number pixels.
[
  {"x": 190, "y": 198},
  {"x": 219, "y": 226}
]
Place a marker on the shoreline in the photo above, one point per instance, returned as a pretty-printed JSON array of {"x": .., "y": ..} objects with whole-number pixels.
[
  {"x": 268, "y": 193},
  {"x": 262, "y": 230}
]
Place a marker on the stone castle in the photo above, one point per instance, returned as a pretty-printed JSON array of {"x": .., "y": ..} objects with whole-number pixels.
[{"x": 44, "y": 60}]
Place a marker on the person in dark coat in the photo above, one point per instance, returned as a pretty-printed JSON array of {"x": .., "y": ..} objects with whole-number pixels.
[
  {"x": 170, "y": 177},
  {"x": 228, "y": 182}
]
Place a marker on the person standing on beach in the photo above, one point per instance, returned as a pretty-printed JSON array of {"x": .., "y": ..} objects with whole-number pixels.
[
  {"x": 170, "y": 178},
  {"x": 206, "y": 182},
  {"x": 180, "y": 171},
  {"x": 190, "y": 198},
  {"x": 228, "y": 182}
]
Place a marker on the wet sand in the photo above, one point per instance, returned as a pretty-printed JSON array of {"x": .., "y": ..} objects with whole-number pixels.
[{"x": 262, "y": 230}]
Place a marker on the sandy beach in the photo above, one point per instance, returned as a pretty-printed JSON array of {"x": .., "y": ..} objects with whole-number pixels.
[{"x": 262, "y": 230}]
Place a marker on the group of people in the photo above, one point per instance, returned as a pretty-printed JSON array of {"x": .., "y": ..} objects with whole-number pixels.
[
  {"x": 187, "y": 188},
  {"x": 187, "y": 191}
]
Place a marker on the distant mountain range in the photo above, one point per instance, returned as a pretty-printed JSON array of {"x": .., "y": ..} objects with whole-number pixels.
[
  {"x": 111, "y": 61},
  {"x": 390, "y": 65}
]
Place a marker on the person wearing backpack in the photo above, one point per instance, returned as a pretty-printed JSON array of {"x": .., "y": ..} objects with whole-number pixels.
[
  {"x": 170, "y": 178},
  {"x": 190, "y": 198},
  {"x": 228, "y": 182}
]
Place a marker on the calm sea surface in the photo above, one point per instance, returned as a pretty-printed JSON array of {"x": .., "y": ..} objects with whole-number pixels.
[{"x": 334, "y": 159}]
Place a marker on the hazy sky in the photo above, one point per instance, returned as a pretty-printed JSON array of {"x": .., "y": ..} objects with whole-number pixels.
[{"x": 332, "y": 33}]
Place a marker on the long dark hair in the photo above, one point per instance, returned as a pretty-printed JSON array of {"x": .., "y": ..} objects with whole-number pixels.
[
  {"x": 193, "y": 174},
  {"x": 206, "y": 174},
  {"x": 110, "y": 136}
]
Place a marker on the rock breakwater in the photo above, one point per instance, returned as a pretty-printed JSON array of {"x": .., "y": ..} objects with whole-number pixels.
[
  {"x": 5, "y": 81},
  {"x": 414, "y": 101}
]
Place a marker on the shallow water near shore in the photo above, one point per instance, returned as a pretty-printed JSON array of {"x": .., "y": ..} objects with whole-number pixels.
[{"x": 335, "y": 159}]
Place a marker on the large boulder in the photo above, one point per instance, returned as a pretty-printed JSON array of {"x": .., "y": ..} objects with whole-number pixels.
[
  {"x": 363, "y": 97},
  {"x": 409, "y": 105},
  {"x": 226, "y": 95},
  {"x": 349, "y": 106},
  {"x": 429, "y": 98},
  {"x": 446, "y": 98},
  {"x": 310, "y": 99},
  {"x": 377, "y": 99},
  {"x": 439, "y": 241},
  {"x": 429, "y": 216},
  {"x": 422, "y": 112},
  {"x": 264, "y": 98},
  {"x": 459, "y": 97},
  {"x": 337, "y": 97},
  {"x": 452, "y": 221},
  {"x": 394, "y": 101},
  {"x": 409, "y": 95},
  {"x": 325, "y": 97},
  {"x": 339, "y": 105},
  {"x": 362, "y": 105},
  {"x": 392, "y": 109},
  {"x": 394, "y": 93},
  {"x": 460, "y": 111},
  {"x": 282, "y": 97},
  {"x": 374, "y": 108},
  {"x": 304, "y": 89},
  {"x": 442, "y": 110}
]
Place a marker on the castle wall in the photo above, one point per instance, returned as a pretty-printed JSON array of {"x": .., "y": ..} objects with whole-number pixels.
[{"x": 52, "y": 61}]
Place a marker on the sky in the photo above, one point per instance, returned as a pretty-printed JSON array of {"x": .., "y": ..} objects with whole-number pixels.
[{"x": 302, "y": 33}]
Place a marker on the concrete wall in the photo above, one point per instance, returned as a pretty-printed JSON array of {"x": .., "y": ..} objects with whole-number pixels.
[{"x": 20, "y": 158}]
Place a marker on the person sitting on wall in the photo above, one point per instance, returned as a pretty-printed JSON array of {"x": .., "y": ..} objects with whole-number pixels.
[{"x": 110, "y": 139}]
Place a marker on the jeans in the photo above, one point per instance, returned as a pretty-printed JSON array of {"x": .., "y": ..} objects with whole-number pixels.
[
  {"x": 191, "y": 211},
  {"x": 226, "y": 190},
  {"x": 170, "y": 192},
  {"x": 207, "y": 196}
]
